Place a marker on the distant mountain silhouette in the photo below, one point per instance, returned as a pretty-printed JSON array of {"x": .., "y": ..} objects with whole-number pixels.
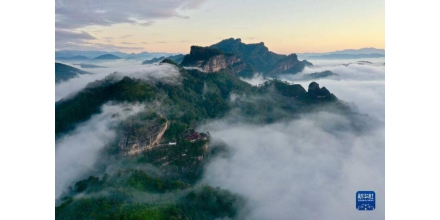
[
  {"x": 345, "y": 56},
  {"x": 176, "y": 58},
  {"x": 154, "y": 60},
  {"x": 368, "y": 52},
  {"x": 89, "y": 65},
  {"x": 78, "y": 57},
  {"x": 63, "y": 54},
  {"x": 64, "y": 72},
  {"x": 107, "y": 57}
]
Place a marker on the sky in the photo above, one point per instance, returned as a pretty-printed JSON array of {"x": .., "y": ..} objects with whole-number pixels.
[{"x": 285, "y": 26}]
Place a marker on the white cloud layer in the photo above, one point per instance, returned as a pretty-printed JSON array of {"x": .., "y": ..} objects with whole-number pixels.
[
  {"x": 77, "y": 152},
  {"x": 306, "y": 168},
  {"x": 363, "y": 85},
  {"x": 310, "y": 168},
  {"x": 165, "y": 73}
]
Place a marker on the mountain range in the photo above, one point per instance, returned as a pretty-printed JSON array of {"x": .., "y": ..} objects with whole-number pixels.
[
  {"x": 107, "y": 57},
  {"x": 88, "y": 55},
  {"x": 256, "y": 55},
  {"x": 153, "y": 166},
  {"x": 175, "y": 58},
  {"x": 165, "y": 140},
  {"x": 368, "y": 52}
]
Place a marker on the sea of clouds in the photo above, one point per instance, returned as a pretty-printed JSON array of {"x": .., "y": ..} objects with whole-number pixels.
[
  {"x": 305, "y": 168},
  {"x": 311, "y": 167}
]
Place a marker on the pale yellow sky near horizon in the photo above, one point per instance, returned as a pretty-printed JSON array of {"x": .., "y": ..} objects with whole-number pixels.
[{"x": 284, "y": 26}]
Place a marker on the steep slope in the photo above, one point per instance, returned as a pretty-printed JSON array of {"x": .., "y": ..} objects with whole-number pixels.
[
  {"x": 257, "y": 55},
  {"x": 88, "y": 101},
  {"x": 65, "y": 72},
  {"x": 261, "y": 59},
  {"x": 136, "y": 136},
  {"x": 289, "y": 64}
]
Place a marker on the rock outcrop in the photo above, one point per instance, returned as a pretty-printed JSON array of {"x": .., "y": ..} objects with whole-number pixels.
[
  {"x": 213, "y": 60},
  {"x": 256, "y": 55},
  {"x": 136, "y": 137},
  {"x": 307, "y": 63},
  {"x": 290, "y": 64},
  {"x": 315, "y": 92},
  {"x": 259, "y": 58},
  {"x": 293, "y": 90}
]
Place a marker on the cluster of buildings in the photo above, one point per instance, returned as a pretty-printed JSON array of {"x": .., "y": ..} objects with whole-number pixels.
[{"x": 195, "y": 136}]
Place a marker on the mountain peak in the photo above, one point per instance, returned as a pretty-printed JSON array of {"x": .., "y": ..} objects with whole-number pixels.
[
  {"x": 213, "y": 60},
  {"x": 315, "y": 92},
  {"x": 238, "y": 40},
  {"x": 293, "y": 56},
  {"x": 257, "y": 55},
  {"x": 202, "y": 53}
]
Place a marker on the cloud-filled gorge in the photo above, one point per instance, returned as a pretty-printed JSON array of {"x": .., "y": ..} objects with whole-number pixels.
[{"x": 304, "y": 167}]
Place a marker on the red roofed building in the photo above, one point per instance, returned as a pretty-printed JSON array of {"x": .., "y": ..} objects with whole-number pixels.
[{"x": 193, "y": 137}]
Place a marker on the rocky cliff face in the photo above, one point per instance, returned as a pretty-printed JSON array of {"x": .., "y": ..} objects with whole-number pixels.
[
  {"x": 243, "y": 59},
  {"x": 261, "y": 59},
  {"x": 290, "y": 64},
  {"x": 137, "y": 137},
  {"x": 219, "y": 62},
  {"x": 213, "y": 60},
  {"x": 256, "y": 55}
]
